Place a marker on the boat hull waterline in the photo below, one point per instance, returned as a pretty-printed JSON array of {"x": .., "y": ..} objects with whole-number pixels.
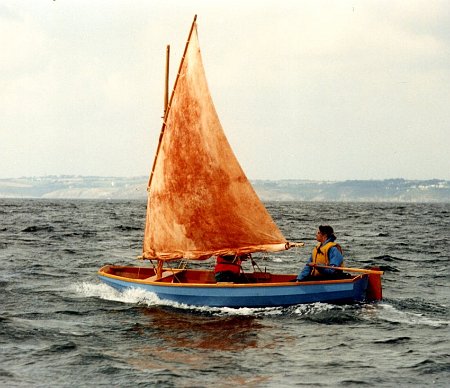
[{"x": 278, "y": 293}]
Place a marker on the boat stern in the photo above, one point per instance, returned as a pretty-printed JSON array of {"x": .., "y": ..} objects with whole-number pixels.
[{"x": 374, "y": 289}]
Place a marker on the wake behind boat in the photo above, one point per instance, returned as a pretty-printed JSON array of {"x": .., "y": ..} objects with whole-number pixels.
[{"x": 201, "y": 205}]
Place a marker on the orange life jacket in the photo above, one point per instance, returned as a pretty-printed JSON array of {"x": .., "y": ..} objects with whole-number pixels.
[{"x": 320, "y": 255}]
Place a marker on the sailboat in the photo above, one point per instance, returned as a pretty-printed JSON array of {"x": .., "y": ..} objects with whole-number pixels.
[{"x": 201, "y": 205}]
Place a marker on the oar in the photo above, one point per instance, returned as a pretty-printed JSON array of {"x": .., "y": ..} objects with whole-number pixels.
[{"x": 369, "y": 271}]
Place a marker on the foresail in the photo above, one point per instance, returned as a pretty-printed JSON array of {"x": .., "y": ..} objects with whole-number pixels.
[{"x": 200, "y": 203}]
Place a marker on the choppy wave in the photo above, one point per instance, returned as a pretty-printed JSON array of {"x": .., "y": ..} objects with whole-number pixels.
[
  {"x": 389, "y": 313},
  {"x": 59, "y": 326}
]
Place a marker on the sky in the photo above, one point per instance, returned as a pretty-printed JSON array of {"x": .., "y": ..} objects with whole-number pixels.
[{"x": 320, "y": 90}]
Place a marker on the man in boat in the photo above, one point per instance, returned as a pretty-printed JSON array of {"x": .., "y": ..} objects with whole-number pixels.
[
  {"x": 326, "y": 253},
  {"x": 228, "y": 268}
]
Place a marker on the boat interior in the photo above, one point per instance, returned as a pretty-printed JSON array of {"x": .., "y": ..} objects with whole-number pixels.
[{"x": 185, "y": 276}]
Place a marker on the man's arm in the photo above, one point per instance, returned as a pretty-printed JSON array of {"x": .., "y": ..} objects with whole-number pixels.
[{"x": 306, "y": 270}]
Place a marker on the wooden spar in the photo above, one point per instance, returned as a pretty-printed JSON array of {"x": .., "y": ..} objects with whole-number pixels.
[
  {"x": 159, "y": 269},
  {"x": 361, "y": 270},
  {"x": 170, "y": 103},
  {"x": 166, "y": 85}
]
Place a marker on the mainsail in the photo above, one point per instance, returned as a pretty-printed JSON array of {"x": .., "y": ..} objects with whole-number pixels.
[{"x": 200, "y": 203}]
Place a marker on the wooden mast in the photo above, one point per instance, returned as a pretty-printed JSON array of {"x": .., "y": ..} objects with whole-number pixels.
[
  {"x": 159, "y": 267},
  {"x": 168, "y": 107},
  {"x": 166, "y": 85}
]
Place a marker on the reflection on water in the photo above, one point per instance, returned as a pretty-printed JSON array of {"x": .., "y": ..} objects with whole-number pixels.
[
  {"x": 174, "y": 342},
  {"x": 185, "y": 329}
]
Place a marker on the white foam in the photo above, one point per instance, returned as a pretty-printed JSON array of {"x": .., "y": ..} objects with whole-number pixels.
[
  {"x": 242, "y": 311},
  {"x": 314, "y": 308},
  {"x": 103, "y": 291},
  {"x": 142, "y": 297},
  {"x": 389, "y": 313}
]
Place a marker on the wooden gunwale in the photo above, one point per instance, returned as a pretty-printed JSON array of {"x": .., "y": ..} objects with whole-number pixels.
[{"x": 230, "y": 285}]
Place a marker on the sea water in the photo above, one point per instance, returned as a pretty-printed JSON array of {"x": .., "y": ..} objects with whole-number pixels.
[{"x": 61, "y": 327}]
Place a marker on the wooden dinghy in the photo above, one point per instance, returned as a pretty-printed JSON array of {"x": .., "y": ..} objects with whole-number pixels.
[
  {"x": 201, "y": 205},
  {"x": 258, "y": 289}
]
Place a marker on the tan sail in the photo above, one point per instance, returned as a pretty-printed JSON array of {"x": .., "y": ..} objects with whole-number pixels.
[{"x": 200, "y": 203}]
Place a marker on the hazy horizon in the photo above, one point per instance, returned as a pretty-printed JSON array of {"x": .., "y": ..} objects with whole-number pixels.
[{"x": 145, "y": 177}]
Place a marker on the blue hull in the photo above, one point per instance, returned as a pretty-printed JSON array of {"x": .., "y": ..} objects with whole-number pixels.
[{"x": 249, "y": 295}]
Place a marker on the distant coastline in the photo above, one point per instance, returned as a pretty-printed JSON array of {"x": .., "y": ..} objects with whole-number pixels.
[{"x": 92, "y": 187}]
